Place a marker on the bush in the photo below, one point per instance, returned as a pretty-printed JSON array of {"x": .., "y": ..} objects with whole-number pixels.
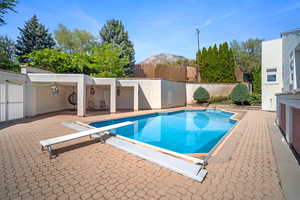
[
  {"x": 239, "y": 94},
  {"x": 218, "y": 99},
  {"x": 254, "y": 99},
  {"x": 256, "y": 74},
  {"x": 201, "y": 95}
]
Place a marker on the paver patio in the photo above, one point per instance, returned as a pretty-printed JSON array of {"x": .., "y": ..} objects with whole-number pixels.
[{"x": 91, "y": 170}]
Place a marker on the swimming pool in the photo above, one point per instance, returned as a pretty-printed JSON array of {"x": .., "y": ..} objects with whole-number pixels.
[{"x": 186, "y": 131}]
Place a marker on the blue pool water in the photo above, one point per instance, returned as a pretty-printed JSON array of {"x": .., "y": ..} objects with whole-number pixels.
[{"x": 189, "y": 131}]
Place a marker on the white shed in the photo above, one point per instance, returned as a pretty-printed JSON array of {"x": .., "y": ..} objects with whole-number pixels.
[{"x": 12, "y": 95}]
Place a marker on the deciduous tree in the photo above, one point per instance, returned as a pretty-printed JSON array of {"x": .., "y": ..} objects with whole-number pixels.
[
  {"x": 247, "y": 54},
  {"x": 75, "y": 40},
  {"x": 104, "y": 61}
]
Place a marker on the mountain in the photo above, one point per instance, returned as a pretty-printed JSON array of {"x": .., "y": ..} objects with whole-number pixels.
[{"x": 162, "y": 58}]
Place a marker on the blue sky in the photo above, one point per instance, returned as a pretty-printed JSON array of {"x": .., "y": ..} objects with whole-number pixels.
[{"x": 167, "y": 26}]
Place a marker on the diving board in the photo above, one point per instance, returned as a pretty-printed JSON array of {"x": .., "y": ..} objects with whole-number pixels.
[{"x": 49, "y": 142}]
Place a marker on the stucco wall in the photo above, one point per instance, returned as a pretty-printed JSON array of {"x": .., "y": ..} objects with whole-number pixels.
[
  {"x": 125, "y": 98},
  {"x": 290, "y": 42},
  {"x": 173, "y": 94},
  {"x": 46, "y": 101},
  {"x": 149, "y": 93},
  {"x": 220, "y": 89},
  {"x": 271, "y": 57}
]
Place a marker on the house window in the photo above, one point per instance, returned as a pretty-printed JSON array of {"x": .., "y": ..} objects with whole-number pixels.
[
  {"x": 292, "y": 68},
  {"x": 271, "y": 78},
  {"x": 271, "y": 75}
]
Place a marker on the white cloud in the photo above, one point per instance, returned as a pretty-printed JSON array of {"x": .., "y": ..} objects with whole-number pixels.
[
  {"x": 227, "y": 15},
  {"x": 207, "y": 22},
  {"x": 214, "y": 19}
]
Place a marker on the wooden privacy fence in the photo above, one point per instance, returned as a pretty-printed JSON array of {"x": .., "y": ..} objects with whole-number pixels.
[{"x": 167, "y": 72}]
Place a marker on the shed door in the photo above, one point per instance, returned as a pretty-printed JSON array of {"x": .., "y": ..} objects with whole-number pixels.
[
  {"x": 296, "y": 130},
  {"x": 11, "y": 101},
  {"x": 2, "y": 101},
  {"x": 282, "y": 118},
  {"x": 15, "y": 101}
]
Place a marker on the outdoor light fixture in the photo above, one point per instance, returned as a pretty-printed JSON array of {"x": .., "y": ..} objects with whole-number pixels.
[{"x": 54, "y": 89}]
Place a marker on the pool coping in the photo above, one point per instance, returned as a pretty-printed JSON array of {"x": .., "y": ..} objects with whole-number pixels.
[
  {"x": 225, "y": 137},
  {"x": 188, "y": 157}
]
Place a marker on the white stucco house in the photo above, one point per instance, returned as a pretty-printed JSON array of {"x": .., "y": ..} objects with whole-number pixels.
[{"x": 281, "y": 83}]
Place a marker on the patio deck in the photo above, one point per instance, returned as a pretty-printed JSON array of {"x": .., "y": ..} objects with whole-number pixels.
[{"x": 244, "y": 168}]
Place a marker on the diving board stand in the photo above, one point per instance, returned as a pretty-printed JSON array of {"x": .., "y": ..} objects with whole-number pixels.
[{"x": 47, "y": 144}]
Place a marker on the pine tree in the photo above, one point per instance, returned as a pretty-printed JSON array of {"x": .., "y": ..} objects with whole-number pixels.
[
  {"x": 113, "y": 32},
  {"x": 223, "y": 56},
  {"x": 203, "y": 65},
  {"x": 33, "y": 36},
  {"x": 231, "y": 67},
  {"x": 215, "y": 65},
  {"x": 5, "y": 6}
]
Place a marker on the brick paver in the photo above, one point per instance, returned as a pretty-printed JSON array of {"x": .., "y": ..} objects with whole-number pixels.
[{"x": 90, "y": 170}]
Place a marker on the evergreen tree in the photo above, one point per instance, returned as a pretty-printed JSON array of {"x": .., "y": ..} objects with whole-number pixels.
[
  {"x": 198, "y": 57},
  {"x": 217, "y": 64},
  {"x": 205, "y": 64},
  {"x": 5, "y": 6},
  {"x": 113, "y": 32},
  {"x": 7, "y": 54},
  {"x": 227, "y": 63},
  {"x": 33, "y": 36},
  {"x": 231, "y": 67},
  {"x": 257, "y": 80}
]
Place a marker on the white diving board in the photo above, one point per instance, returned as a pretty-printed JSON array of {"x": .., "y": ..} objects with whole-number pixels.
[{"x": 49, "y": 142}]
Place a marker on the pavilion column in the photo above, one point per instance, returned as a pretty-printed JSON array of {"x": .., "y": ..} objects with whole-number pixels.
[
  {"x": 289, "y": 123},
  {"x": 113, "y": 96},
  {"x": 136, "y": 97},
  {"x": 277, "y": 110},
  {"x": 81, "y": 98}
]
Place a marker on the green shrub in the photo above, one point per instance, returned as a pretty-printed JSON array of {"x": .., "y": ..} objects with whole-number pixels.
[
  {"x": 218, "y": 99},
  {"x": 239, "y": 94},
  {"x": 254, "y": 99},
  {"x": 201, "y": 95}
]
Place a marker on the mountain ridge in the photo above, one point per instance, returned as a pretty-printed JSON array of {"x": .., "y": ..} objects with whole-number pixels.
[{"x": 162, "y": 58}]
